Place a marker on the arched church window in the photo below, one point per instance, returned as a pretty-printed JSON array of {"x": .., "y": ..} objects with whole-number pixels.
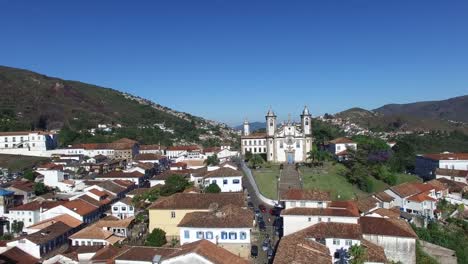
[
  {"x": 271, "y": 124},
  {"x": 306, "y": 122}
]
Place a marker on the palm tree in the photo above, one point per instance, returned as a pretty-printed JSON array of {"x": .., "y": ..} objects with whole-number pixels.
[
  {"x": 312, "y": 155},
  {"x": 358, "y": 254}
]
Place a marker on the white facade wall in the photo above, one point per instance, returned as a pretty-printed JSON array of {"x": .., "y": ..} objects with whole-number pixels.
[
  {"x": 396, "y": 248},
  {"x": 156, "y": 182},
  {"x": 30, "y": 142},
  {"x": 294, "y": 223},
  {"x": 453, "y": 164},
  {"x": 333, "y": 244},
  {"x": 59, "y": 210},
  {"x": 122, "y": 210},
  {"x": 254, "y": 146},
  {"x": 88, "y": 242},
  {"x": 456, "y": 179},
  {"x": 217, "y": 235},
  {"x": 344, "y": 146},
  {"x": 52, "y": 177},
  {"x": 27, "y": 217},
  {"x": 303, "y": 203},
  {"x": 27, "y": 246},
  {"x": 190, "y": 258},
  {"x": 226, "y": 184}
]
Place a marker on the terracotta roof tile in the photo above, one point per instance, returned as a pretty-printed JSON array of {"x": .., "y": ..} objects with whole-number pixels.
[
  {"x": 183, "y": 148},
  {"x": 386, "y": 227},
  {"x": 49, "y": 233},
  {"x": 375, "y": 253},
  {"x": 367, "y": 204},
  {"x": 421, "y": 197},
  {"x": 143, "y": 253},
  {"x": 64, "y": 218},
  {"x": 333, "y": 230},
  {"x": 121, "y": 174},
  {"x": 384, "y": 197},
  {"x": 80, "y": 207},
  {"x": 36, "y": 205},
  {"x": 310, "y": 195},
  {"x": 454, "y": 173},
  {"x": 166, "y": 174},
  {"x": 223, "y": 172},
  {"x": 388, "y": 213},
  {"x": 297, "y": 249},
  {"x": 341, "y": 140},
  {"x": 152, "y": 147},
  {"x": 148, "y": 156},
  {"x": 92, "y": 232},
  {"x": 410, "y": 188},
  {"x": 209, "y": 251},
  {"x": 198, "y": 200},
  {"x": 229, "y": 216},
  {"x": 447, "y": 156},
  {"x": 17, "y": 256}
]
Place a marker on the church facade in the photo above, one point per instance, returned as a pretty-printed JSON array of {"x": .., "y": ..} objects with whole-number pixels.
[{"x": 288, "y": 142}]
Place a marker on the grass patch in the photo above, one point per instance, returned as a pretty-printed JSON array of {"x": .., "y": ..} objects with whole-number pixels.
[
  {"x": 403, "y": 177},
  {"x": 330, "y": 177},
  {"x": 266, "y": 180},
  {"x": 19, "y": 163}
]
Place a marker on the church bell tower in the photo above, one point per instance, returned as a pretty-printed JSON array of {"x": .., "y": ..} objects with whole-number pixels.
[{"x": 270, "y": 135}]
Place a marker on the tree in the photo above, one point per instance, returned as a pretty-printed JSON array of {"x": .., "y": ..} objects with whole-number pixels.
[
  {"x": 29, "y": 175},
  {"x": 248, "y": 155},
  {"x": 17, "y": 226},
  {"x": 174, "y": 184},
  {"x": 156, "y": 238},
  {"x": 212, "y": 160},
  {"x": 358, "y": 254},
  {"x": 39, "y": 188},
  {"x": 256, "y": 161},
  {"x": 213, "y": 188}
]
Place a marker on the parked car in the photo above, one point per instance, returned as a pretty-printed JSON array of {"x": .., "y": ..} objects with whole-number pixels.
[
  {"x": 254, "y": 251},
  {"x": 275, "y": 211},
  {"x": 262, "y": 225},
  {"x": 257, "y": 212},
  {"x": 262, "y": 208},
  {"x": 270, "y": 252},
  {"x": 250, "y": 205}
]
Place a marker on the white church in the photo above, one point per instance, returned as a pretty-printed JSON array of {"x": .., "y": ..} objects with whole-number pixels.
[{"x": 288, "y": 142}]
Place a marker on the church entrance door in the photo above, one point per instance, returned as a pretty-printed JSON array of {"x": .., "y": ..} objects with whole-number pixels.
[{"x": 290, "y": 156}]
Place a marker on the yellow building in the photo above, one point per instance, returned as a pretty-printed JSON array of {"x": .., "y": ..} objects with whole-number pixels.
[{"x": 167, "y": 212}]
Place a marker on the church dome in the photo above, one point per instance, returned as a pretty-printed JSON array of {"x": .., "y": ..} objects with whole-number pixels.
[{"x": 270, "y": 112}]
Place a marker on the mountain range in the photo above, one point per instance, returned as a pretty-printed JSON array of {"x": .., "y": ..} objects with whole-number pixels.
[
  {"x": 35, "y": 101},
  {"x": 448, "y": 115}
]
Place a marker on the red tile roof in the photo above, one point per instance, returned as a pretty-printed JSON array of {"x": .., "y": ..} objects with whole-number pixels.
[
  {"x": 386, "y": 227},
  {"x": 255, "y": 136},
  {"x": 80, "y": 207},
  {"x": 411, "y": 188},
  {"x": 308, "y": 195},
  {"x": 341, "y": 140},
  {"x": 121, "y": 174},
  {"x": 36, "y": 205},
  {"x": 333, "y": 230},
  {"x": 198, "y": 200},
  {"x": 209, "y": 251},
  {"x": 183, "y": 148},
  {"x": 17, "y": 256},
  {"x": 454, "y": 173},
  {"x": 421, "y": 197},
  {"x": 447, "y": 156},
  {"x": 297, "y": 249}
]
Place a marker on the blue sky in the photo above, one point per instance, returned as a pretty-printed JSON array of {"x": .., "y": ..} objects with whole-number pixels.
[{"x": 226, "y": 60}]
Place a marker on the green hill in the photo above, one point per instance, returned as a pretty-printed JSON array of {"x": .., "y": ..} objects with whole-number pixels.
[{"x": 34, "y": 101}]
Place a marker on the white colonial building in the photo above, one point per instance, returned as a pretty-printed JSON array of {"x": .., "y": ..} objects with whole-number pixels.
[
  {"x": 31, "y": 143},
  {"x": 289, "y": 142}
]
